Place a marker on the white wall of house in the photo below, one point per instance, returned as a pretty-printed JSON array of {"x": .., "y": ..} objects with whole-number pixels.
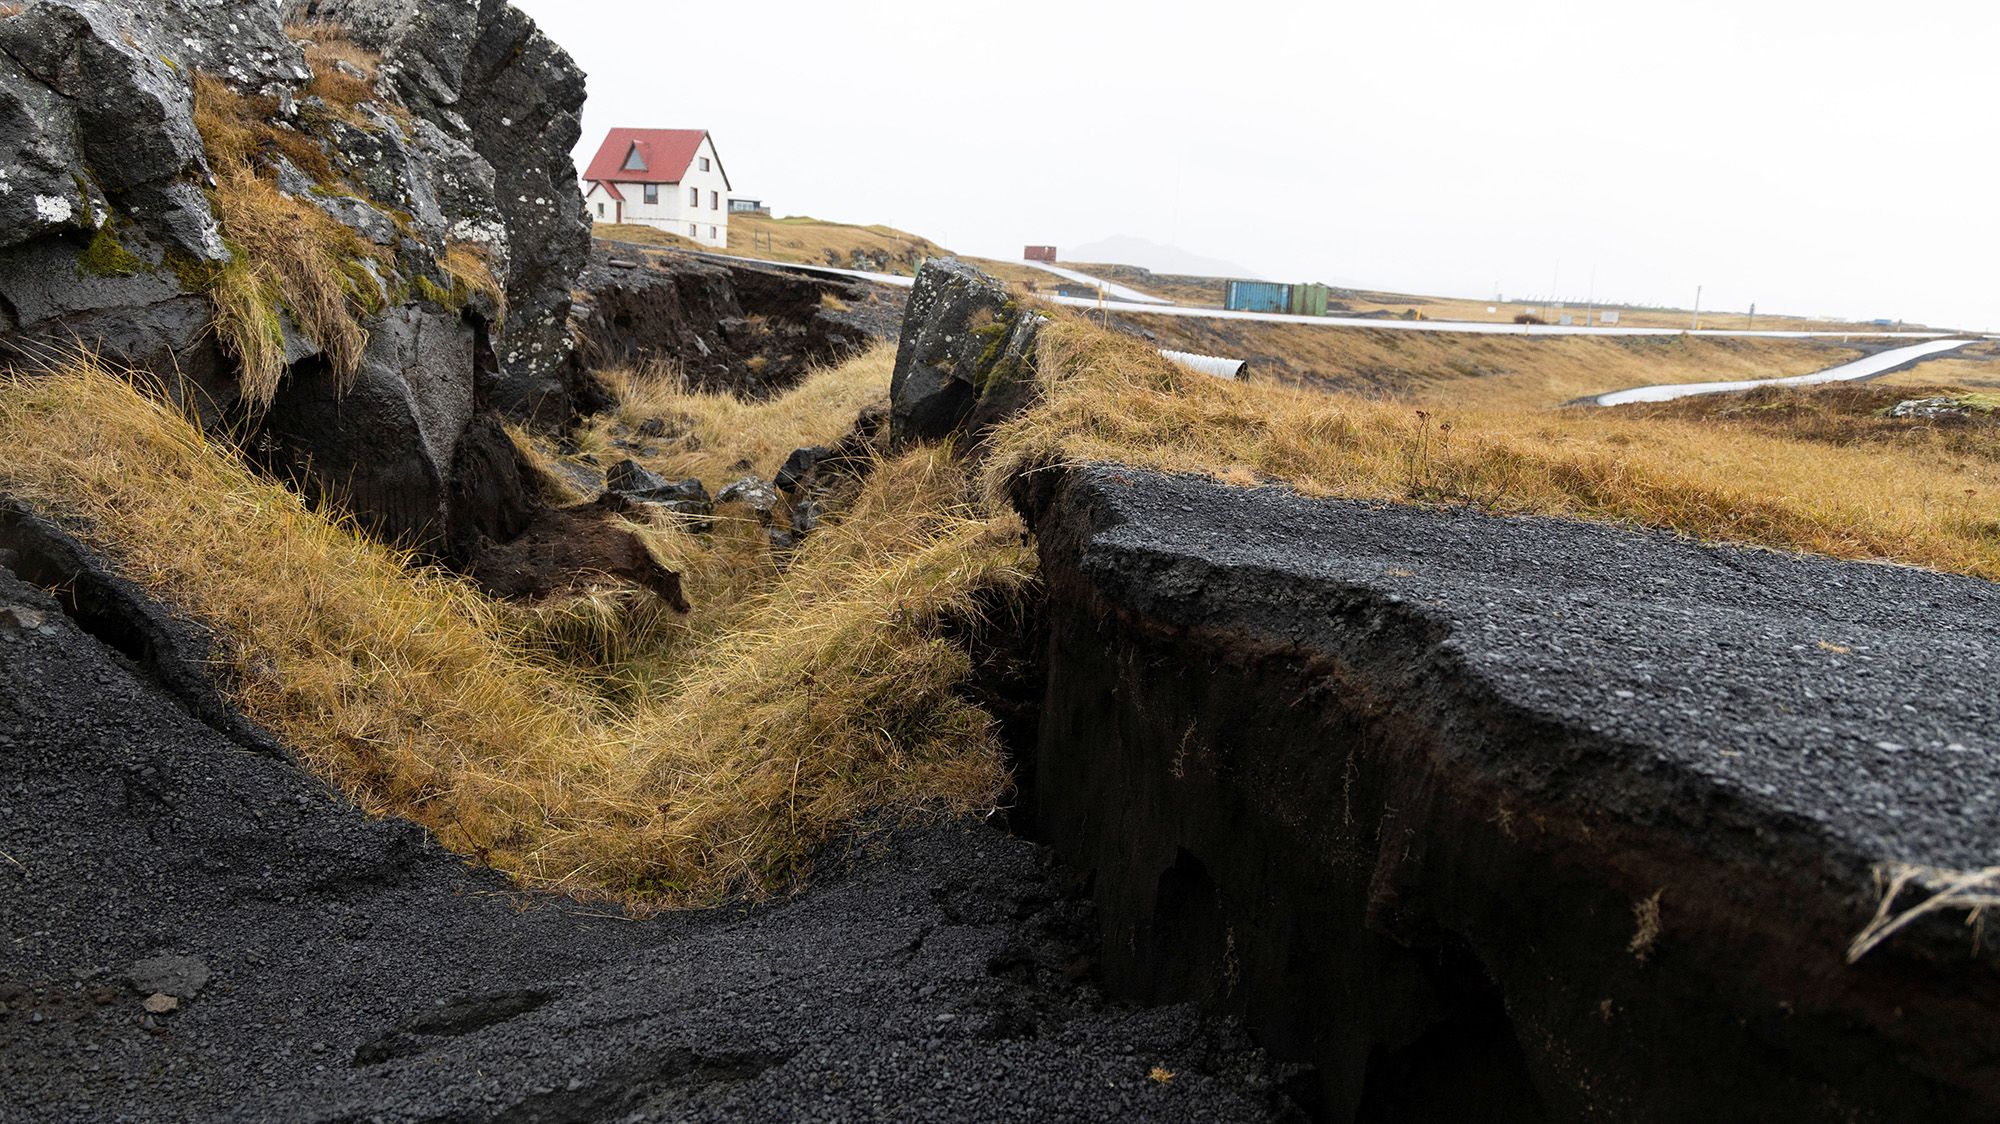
[{"x": 696, "y": 208}]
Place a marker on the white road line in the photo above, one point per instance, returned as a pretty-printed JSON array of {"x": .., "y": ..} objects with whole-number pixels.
[
  {"x": 1111, "y": 289},
  {"x": 1859, "y": 369}
]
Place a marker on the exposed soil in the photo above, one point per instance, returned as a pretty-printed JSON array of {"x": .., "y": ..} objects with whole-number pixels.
[{"x": 724, "y": 325}]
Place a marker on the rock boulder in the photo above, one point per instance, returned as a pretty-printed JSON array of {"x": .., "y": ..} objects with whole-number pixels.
[{"x": 966, "y": 357}]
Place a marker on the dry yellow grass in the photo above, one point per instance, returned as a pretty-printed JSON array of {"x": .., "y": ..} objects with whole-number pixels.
[
  {"x": 1460, "y": 369},
  {"x": 728, "y": 431},
  {"x": 831, "y": 696},
  {"x": 1110, "y": 398},
  {"x": 290, "y": 257},
  {"x": 470, "y": 268},
  {"x": 1974, "y": 368},
  {"x": 816, "y": 242},
  {"x": 644, "y": 235}
]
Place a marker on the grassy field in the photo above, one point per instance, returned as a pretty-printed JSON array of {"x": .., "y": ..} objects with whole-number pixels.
[
  {"x": 814, "y": 242},
  {"x": 1499, "y": 369},
  {"x": 644, "y": 235},
  {"x": 1976, "y": 367}
]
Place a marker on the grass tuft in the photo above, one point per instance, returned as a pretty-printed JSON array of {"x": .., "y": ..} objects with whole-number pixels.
[
  {"x": 470, "y": 268},
  {"x": 289, "y": 257}
]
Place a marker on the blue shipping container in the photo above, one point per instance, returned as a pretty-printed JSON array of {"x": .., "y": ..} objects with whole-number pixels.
[{"x": 1258, "y": 296}]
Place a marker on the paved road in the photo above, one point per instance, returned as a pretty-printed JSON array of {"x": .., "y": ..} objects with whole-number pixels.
[
  {"x": 1852, "y": 697},
  {"x": 1467, "y": 327},
  {"x": 1112, "y": 289},
  {"x": 1867, "y": 367}
]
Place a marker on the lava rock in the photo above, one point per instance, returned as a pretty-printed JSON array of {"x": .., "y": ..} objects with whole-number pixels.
[
  {"x": 726, "y": 326},
  {"x": 384, "y": 446},
  {"x": 634, "y": 481},
  {"x": 753, "y": 493},
  {"x": 1930, "y": 408},
  {"x": 486, "y": 77},
  {"x": 801, "y": 469},
  {"x": 966, "y": 358}
]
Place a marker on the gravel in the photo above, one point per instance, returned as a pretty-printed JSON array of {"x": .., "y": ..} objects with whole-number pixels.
[{"x": 328, "y": 967}]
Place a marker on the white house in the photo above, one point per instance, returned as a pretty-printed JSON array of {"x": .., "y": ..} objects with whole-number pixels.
[{"x": 665, "y": 178}]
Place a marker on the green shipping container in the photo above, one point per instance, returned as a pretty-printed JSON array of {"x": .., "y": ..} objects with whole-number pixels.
[{"x": 1308, "y": 300}]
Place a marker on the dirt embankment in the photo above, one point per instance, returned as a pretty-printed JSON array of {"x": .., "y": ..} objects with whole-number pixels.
[{"x": 724, "y": 325}]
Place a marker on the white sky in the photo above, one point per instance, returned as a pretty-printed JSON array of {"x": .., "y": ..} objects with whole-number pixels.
[{"x": 1830, "y": 158}]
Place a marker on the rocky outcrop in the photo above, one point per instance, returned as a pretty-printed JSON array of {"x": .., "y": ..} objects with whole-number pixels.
[
  {"x": 482, "y": 75},
  {"x": 182, "y": 180},
  {"x": 966, "y": 357},
  {"x": 102, "y": 171},
  {"x": 725, "y": 326},
  {"x": 1522, "y": 819}
]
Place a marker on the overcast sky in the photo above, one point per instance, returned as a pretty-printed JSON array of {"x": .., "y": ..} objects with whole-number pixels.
[{"x": 1816, "y": 158}]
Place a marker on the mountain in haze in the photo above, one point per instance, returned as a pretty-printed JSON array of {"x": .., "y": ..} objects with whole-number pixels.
[{"x": 1123, "y": 249}]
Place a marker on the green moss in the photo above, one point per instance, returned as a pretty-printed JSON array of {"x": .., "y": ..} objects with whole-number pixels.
[
  {"x": 105, "y": 257},
  {"x": 995, "y": 336},
  {"x": 195, "y": 275},
  {"x": 363, "y": 290},
  {"x": 437, "y": 294}
]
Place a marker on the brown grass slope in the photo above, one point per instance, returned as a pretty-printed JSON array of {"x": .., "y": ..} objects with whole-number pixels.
[{"x": 1453, "y": 368}]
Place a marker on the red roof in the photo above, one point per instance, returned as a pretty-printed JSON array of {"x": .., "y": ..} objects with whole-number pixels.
[{"x": 664, "y": 153}]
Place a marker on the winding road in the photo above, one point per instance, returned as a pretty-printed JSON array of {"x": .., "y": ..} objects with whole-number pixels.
[{"x": 1867, "y": 367}]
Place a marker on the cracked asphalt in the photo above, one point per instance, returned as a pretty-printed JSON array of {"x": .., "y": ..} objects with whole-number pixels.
[{"x": 1856, "y": 701}]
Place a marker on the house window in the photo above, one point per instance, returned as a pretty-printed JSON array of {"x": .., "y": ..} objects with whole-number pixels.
[
  {"x": 715, "y": 201},
  {"x": 633, "y": 161},
  {"x": 600, "y": 210},
  {"x": 711, "y": 232},
  {"x": 704, "y": 163},
  {"x": 694, "y": 197},
  {"x": 653, "y": 193},
  {"x": 691, "y": 231}
]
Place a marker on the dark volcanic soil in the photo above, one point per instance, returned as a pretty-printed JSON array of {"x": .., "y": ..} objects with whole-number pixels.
[{"x": 357, "y": 972}]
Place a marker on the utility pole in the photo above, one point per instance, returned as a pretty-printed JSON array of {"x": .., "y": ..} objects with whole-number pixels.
[
  {"x": 1697, "y": 309},
  {"x": 1590, "y": 302},
  {"x": 1753, "y": 314}
]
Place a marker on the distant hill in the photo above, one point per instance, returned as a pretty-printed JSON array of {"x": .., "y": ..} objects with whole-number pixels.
[{"x": 1123, "y": 249}]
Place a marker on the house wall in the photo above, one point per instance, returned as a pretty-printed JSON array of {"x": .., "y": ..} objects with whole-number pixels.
[
  {"x": 705, "y": 221},
  {"x": 600, "y": 206}
]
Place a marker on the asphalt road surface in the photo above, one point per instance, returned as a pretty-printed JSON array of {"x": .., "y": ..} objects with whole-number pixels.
[
  {"x": 1112, "y": 289},
  {"x": 1867, "y": 367},
  {"x": 1853, "y": 701}
]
